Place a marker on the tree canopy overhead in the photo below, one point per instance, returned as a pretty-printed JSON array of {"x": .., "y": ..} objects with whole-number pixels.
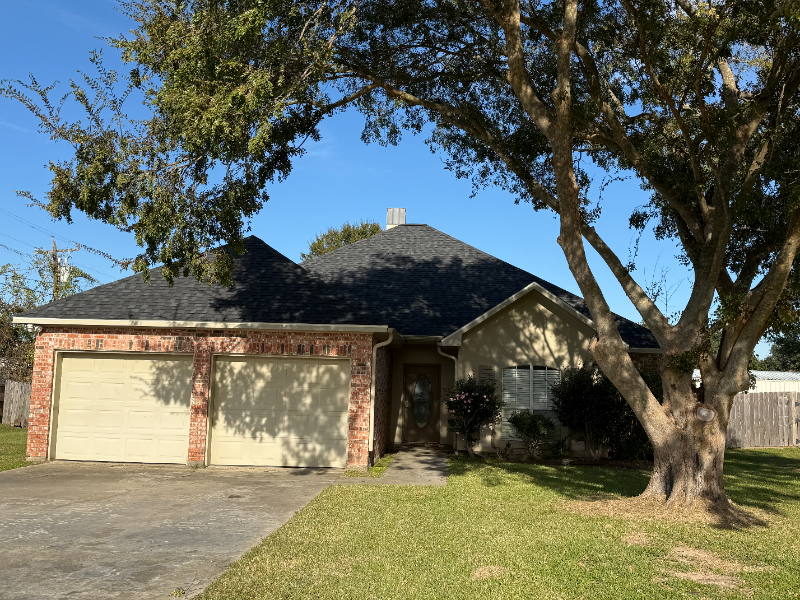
[
  {"x": 699, "y": 100},
  {"x": 336, "y": 237}
]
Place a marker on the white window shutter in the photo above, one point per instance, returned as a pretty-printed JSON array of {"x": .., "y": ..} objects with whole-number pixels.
[{"x": 516, "y": 394}]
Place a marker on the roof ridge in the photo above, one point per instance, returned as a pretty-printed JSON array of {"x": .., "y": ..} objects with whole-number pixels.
[
  {"x": 351, "y": 244},
  {"x": 484, "y": 253}
]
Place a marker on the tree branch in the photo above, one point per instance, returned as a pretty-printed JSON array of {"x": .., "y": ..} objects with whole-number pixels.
[{"x": 508, "y": 17}]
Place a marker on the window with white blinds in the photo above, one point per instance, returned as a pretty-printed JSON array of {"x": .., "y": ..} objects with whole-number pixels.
[{"x": 527, "y": 387}]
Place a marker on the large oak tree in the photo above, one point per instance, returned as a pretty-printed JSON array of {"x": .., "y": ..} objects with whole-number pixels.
[{"x": 699, "y": 100}]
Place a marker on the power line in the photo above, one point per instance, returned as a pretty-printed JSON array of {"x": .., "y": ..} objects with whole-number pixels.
[
  {"x": 111, "y": 277},
  {"x": 15, "y": 251},
  {"x": 16, "y": 240},
  {"x": 34, "y": 225},
  {"x": 122, "y": 263}
]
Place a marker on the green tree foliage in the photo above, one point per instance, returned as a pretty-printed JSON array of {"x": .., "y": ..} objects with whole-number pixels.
[
  {"x": 784, "y": 354},
  {"x": 334, "y": 238},
  {"x": 472, "y": 404},
  {"x": 532, "y": 429},
  {"x": 696, "y": 100},
  {"x": 23, "y": 288},
  {"x": 586, "y": 401}
]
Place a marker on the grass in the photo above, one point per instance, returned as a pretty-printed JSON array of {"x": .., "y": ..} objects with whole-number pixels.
[
  {"x": 375, "y": 470},
  {"x": 13, "y": 443},
  {"x": 500, "y": 530}
]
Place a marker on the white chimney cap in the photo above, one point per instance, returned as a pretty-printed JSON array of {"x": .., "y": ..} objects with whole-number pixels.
[{"x": 395, "y": 217}]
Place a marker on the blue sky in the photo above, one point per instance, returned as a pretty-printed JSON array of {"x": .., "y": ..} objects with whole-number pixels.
[{"x": 340, "y": 179}]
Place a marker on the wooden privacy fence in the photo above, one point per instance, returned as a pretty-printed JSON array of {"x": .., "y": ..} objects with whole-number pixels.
[
  {"x": 17, "y": 403},
  {"x": 765, "y": 419}
]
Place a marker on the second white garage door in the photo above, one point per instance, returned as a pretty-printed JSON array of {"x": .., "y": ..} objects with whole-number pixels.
[
  {"x": 122, "y": 408},
  {"x": 280, "y": 412}
]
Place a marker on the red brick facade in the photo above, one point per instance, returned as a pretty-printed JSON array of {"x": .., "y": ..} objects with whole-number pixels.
[
  {"x": 203, "y": 344},
  {"x": 383, "y": 400}
]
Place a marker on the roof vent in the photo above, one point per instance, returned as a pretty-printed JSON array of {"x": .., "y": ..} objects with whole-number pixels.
[{"x": 395, "y": 217}]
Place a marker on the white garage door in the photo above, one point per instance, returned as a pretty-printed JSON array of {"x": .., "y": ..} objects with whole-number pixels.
[
  {"x": 123, "y": 408},
  {"x": 280, "y": 412}
]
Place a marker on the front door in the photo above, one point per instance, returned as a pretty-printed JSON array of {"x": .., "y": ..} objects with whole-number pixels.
[{"x": 421, "y": 403}]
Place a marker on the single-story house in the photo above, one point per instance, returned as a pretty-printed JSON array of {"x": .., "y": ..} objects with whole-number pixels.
[{"x": 326, "y": 363}]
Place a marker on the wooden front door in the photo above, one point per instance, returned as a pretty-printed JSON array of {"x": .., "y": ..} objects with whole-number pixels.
[{"x": 421, "y": 403}]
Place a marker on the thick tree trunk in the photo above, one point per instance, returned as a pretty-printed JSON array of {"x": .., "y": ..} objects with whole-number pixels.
[
  {"x": 689, "y": 458},
  {"x": 688, "y": 466}
]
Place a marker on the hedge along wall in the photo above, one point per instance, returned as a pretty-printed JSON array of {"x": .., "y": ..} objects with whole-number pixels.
[{"x": 202, "y": 344}]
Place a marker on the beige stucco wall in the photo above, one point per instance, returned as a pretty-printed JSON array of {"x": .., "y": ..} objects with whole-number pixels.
[
  {"x": 418, "y": 354},
  {"x": 531, "y": 331}
]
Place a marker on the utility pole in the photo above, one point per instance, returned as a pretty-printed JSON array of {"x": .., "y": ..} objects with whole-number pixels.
[
  {"x": 55, "y": 271},
  {"x": 59, "y": 266}
]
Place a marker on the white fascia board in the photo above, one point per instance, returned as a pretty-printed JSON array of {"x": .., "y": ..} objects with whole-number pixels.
[
  {"x": 159, "y": 324},
  {"x": 454, "y": 339}
]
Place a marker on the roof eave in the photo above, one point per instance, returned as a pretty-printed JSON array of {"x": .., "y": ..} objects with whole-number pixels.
[
  {"x": 455, "y": 338},
  {"x": 166, "y": 324}
]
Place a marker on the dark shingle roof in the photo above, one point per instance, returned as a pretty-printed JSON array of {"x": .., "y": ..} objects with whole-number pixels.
[
  {"x": 268, "y": 288},
  {"x": 413, "y": 278},
  {"x": 424, "y": 282}
]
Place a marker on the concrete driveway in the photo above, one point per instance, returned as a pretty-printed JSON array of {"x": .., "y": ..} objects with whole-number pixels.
[{"x": 94, "y": 530}]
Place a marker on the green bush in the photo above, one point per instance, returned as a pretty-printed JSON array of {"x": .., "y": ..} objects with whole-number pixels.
[
  {"x": 585, "y": 400},
  {"x": 532, "y": 429},
  {"x": 471, "y": 404}
]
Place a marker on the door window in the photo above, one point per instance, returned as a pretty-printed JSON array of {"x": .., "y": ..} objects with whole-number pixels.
[{"x": 422, "y": 401}]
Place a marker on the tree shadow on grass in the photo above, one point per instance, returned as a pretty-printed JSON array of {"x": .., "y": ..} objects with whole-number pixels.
[
  {"x": 571, "y": 482},
  {"x": 764, "y": 479}
]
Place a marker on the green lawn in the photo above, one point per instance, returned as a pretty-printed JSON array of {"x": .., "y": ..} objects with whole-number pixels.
[
  {"x": 501, "y": 531},
  {"x": 375, "y": 470},
  {"x": 13, "y": 441}
]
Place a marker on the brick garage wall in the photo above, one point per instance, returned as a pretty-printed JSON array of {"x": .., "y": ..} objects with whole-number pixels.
[
  {"x": 383, "y": 399},
  {"x": 203, "y": 344}
]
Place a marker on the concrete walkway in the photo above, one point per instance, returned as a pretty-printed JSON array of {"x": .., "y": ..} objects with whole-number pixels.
[{"x": 410, "y": 466}]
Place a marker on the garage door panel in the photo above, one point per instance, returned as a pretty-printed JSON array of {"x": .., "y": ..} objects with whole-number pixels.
[
  {"x": 75, "y": 446},
  {"x": 75, "y": 365},
  {"x": 171, "y": 451},
  {"x": 139, "y": 449},
  {"x": 239, "y": 396},
  {"x": 111, "y": 366},
  {"x": 173, "y": 422},
  {"x": 76, "y": 418},
  {"x": 123, "y": 408},
  {"x": 332, "y": 400},
  {"x": 280, "y": 424},
  {"x": 252, "y": 423},
  {"x": 142, "y": 420},
  {"x": 108, "y": 448},
  {"x": 331, "y": 376},
  {"x": 230, "y": 450},
  {"x": 77, "y": 390},
  {"x": 301, "y": 371},
  {"x": 299, "y": 398},
  {"x": 297, "y": 426},
  {"x": 107, "y": 419},
  {"x": 264, "y": 398},
  {"x": 314, "y": 454},
  {"x": 266, "y": 372},
  {"x": 332, "y": 426},
  {"x": 263, "y": 453},
  {"x": 111, "y": 391}
]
